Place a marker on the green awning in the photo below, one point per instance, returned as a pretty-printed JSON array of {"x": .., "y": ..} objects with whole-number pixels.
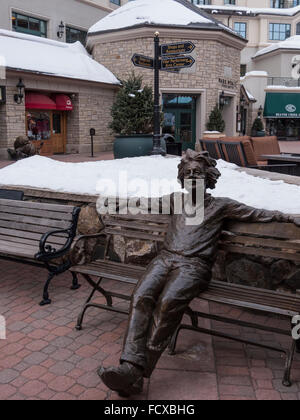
[{"x": 282, "y": 105}]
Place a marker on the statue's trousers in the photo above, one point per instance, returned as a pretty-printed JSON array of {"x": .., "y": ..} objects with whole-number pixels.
[{"x": 159, "y": 302}]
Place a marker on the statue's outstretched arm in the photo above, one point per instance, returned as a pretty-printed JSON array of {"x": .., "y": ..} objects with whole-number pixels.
[{"x": 243, "y": 213}]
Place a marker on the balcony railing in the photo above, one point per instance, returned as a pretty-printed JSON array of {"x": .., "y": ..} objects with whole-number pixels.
[{"x": 283, "y": 81}]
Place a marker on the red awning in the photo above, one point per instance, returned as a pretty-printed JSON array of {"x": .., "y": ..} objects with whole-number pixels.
[
  {"x": 63, "y": 103},
  {"x": 38, "y": 101}
]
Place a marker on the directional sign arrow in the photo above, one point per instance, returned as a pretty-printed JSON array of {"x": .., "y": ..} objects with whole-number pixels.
[
  {"x": 143, "y": 61},
  {"x": 177, "y": 48},
  {"x": 179, "y": 62}
]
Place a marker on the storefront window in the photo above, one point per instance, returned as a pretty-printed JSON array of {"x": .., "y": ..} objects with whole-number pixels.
[
  {"x": 284, "y": 129},
  {"x": 38, "y": 125}
]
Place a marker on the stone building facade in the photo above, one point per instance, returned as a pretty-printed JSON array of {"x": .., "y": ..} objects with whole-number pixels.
[
  {"x": 91, "y": 109},
  {"x": 216, "y": 70}
]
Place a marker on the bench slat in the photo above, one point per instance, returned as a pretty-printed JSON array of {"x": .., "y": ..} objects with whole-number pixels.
[
  {"x": 260, "y": 251},
  {"x": 36, "y": 213},
  {"x": 21, "y": 227},
  {"x": 34, "y": 205},
  {"x": 249, "y": 305},
  {"x": 272, "y": 243},
  {"x": 50, "y": 223},
  {"x": 263, "y": 299},
  {"x": 12, "y": 250},
  {"x": 15, "y": 234},
  {"x": 248, "y": 290},
  {"x": 34, "y": 243},
  {"x": 273, "y": 230}
]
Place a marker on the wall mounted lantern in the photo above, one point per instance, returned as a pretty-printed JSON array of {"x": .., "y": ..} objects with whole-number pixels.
[
  {"x": 19, "y": 96},
  {"x": 61, "y": 30}
]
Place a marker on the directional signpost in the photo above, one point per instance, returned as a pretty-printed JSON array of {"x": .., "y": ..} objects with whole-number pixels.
[
  {"x": 143, "y": 61},
  {"x": 177, "y": 49},
  {"x": 173, "y": 59},
  {"x": 180, "y": 62}
]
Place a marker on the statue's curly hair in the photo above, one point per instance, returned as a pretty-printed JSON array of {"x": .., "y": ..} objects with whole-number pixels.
[{"x": 212, "y": 173}]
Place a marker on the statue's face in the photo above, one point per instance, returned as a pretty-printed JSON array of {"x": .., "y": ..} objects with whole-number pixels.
[{"x": 193, "y": 170}]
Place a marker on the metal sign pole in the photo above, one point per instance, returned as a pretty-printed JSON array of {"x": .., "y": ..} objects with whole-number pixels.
[
  {"x": 157, "y": 149},
  {"x": 92, "y": 134}
]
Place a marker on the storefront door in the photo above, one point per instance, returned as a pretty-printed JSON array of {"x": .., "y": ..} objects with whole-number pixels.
[
  {"x": 47, "y": 130},
  {"x": 180, "y": 119},
  {"x": 58, "y": 136}
]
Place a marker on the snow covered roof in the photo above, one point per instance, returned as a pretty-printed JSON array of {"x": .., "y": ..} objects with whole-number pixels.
[
  {"x": 231, "y": 9},
  {"x": 40, "y": 55},
  {"x": 157, "y": 12},
  {"x": 292, "y": 43}
]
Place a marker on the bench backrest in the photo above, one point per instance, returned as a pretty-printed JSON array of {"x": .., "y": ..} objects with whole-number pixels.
[
  {"x": 145, "y": 227},
  {"x": 26, "y": 222},
  {"x": 275, "y": 240}
]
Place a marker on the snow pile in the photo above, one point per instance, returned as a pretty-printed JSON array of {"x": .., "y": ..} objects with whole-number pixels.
[
  {"x": 163, "y": 12},
  {"x": 292, "y": 43},
  {"x": 83, "y": 178},
  {"x": 40, "y": 55}
]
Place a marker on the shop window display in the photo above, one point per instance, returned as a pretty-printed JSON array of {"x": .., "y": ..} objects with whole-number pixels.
[{"x": 38, "y": 126}]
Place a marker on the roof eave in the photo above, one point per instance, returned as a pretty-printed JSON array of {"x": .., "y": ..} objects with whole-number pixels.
[
  {"x": 200, "y": 26},
  {"x": 45, "y": 74}
]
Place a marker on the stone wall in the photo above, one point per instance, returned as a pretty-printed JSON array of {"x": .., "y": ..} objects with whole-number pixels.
[
  {"x": 92, "y": 110},
  {"x": 12, "y": 119}
]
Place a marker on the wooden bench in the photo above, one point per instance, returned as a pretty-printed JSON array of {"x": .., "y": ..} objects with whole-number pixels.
[
  {"x": 38, "y": 233},
  {"x": 274, "y": 240}
]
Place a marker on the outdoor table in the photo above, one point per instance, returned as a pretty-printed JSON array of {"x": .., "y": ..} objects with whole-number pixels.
[{"x": 284, "y": 158}]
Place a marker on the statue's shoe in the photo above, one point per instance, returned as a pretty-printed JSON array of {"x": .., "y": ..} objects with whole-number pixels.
[{"x": 126, "y": 379}]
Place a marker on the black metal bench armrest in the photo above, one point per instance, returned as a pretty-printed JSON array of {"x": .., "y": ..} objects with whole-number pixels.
[
  {"x": 78, "y": 254},
  {"x": 48, "y": 252}
]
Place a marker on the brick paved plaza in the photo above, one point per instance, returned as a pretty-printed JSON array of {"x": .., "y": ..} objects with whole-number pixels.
[{"x": 44, "y": 357}]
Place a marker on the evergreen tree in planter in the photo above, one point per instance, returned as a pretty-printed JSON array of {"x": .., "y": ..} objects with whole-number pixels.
[
  {"x": 132, "y": 118},
  {"x": 258, "y": 128},
  {"x": 216, "y": 122}
]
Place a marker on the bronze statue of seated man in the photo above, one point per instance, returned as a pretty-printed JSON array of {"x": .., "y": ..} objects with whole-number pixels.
[{"x": 180, "y": 272}]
